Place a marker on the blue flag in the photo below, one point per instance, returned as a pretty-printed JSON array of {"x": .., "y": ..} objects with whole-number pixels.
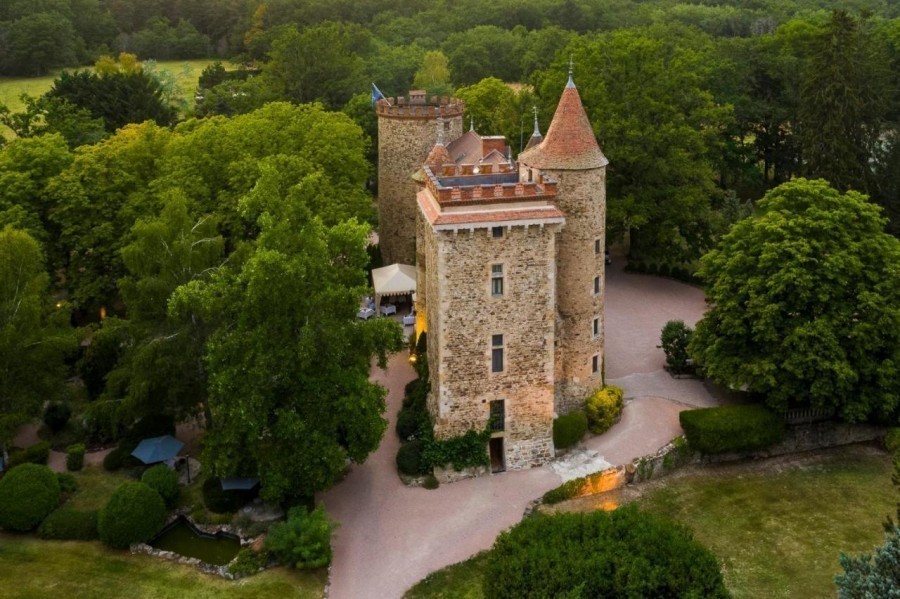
[{"x": 376, "y": 94}]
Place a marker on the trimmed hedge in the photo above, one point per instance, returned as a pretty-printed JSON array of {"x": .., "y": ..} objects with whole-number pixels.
[
  {"x": 133, "y": 514},
  {"x": 623, "y": 553},
  {"x": 728, "y": 429},
  {"x": 28, "y": 493},
  {"x": 409, "y": 458},
  {"x": 75, "y": 457},
  {"x": 36, "y": 454},
  {"x": 66, "y": 524},
  {"x": 164, "y": 481},
  {"x": 567, "y": 490},
  {"x": 603, "y": 408},
  {"x": 568, "y": 429}
]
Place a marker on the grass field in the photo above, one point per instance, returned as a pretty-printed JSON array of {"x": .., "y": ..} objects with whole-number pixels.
[
  {"x": 777, "y": 528},
  {"x": 34, "y": 569}
]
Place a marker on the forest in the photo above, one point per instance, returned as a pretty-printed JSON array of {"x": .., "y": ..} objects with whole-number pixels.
[{"x": 154, "y": 250}]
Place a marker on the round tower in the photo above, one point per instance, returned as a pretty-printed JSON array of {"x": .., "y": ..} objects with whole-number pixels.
[
  {"x": 569, "y": 154},
  {"x": 407, "y": 131}
]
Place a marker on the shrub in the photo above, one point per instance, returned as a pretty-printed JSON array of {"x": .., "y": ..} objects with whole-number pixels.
[
  {"x": 304, "y": 540},
  {"x": 133, "y": 514},
  {"x": 431, "y": 482},
  {"x": 246, "y": 562},
  {"x": 413, "y": 420},
  {"x": 623, "y": 553},
  {"x": 603, "y": 408},
  {"x": 567, "y": 490},
  {"x": 57, "y": 415},
  {"x": 463, "y": 451},
  {"x": 665, "y": 270},
  {"x": 36, "y": 454},
  {"x": 121, "y": 457},
  {"x": 892, "y": 440},
  {"x": 28, "y": 493},
  {"x": 675, "y": 337},
  {"x": 409, "y": 458},
  {"x": 731, "y": 428},
  {"x": 75, "y": 457},
  {"x": 66, "y": 524},
  {"x": 220, "y": 501},
  {"x": 569, "y": 429},
  {"x": 164, "y": 481}
]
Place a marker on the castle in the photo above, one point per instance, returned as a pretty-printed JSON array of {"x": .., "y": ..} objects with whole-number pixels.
[{"x": 510, "y": 266}]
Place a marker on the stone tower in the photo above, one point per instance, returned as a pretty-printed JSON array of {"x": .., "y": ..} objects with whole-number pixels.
[
  {"x": 569, "y": 154},
  {"x": 407, "y": 131}
]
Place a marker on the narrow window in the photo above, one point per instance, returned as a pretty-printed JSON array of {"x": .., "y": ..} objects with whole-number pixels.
[
  {"x": 596, "y": 285},
  {"x": 497, "y": 232},
  {"x": 595, "y": 364},
  {"x": 597, "y": 247},
  {"x": 596, "y": 327},
  {"x": 496, "y": 279},
  {"x": 498, "y": 415},
  {"x": 496, "y": 353}
]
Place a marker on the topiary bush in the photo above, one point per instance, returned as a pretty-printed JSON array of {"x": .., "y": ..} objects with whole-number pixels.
[
  {"x": 409, "y": 458},
  {"x": 66, "y": 524},
  {"x": 164, "y": 481},
  {"x": 568, "y": 429},
  {"x": 75, "y": 457},
  {"x": 304, "y": 540},
  {"x": 220, "y": 501},
  {"x": 57, "y": 415},
  {"x": 133, "y": 514},
  {"x": 604, "y": 408},
  {"x": 36, "y": 454},
  {"x": 727, "y": 429},
  {"x": 674, "y": 340},
  {"x": 67, "y": 485},
  {"x": 28, "y": 493},
  {"x": 623, "y": 553}
]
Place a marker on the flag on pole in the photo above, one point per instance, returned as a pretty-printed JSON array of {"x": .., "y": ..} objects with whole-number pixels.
[{"x": 376, "y": 94}]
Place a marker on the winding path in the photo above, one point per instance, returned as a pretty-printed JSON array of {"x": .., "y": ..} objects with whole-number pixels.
[{"x": 391, "y": 536}]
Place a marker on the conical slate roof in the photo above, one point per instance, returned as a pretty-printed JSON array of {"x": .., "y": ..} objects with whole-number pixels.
[{"x": 570, "y": 143}]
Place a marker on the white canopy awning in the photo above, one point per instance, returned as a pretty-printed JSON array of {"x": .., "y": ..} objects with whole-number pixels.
[{"x": 396, "y": 279}]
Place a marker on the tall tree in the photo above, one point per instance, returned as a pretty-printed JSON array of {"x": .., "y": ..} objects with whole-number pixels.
[
  {"x": 34, "y": 339},
  {"x": 288, "y": 362},
  {"x": 806, "y": 304},
  {"x": 844, "y": 101}
]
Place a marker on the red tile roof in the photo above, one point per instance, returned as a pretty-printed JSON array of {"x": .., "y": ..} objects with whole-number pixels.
[
  {"x": 438, "y": 156},
  {"x": 570, "y": 143}
]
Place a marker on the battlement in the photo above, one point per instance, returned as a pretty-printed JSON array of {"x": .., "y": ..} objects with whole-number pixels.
[
  {"x": 417, "y": 106},
  {"x": 459, "y": 185}
]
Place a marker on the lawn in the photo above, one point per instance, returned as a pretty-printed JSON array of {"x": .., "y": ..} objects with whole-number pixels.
[
  {"x": 777, "y": 527},
  {"x": 33, "y": 569},
  {"x": 95, "y": 485}
]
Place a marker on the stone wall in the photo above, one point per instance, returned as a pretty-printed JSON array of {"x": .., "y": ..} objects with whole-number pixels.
[
  {"x": 581, "y": 195},
  {"x": 464, "y": 315},
  {"x": 403, "y": 145}
]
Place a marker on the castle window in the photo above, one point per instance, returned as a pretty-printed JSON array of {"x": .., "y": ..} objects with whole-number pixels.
[
  {"x": 596, "y": 285},
  {"x": 496, "y": 353},
  {"x": 496, "y": 279},
  {"x": 597, "y": 247},
  {"x": 596, "y": 327},
  {"x": 595, "y": 364},
  {"x": 497, "y": 232},
  {"x": 498, "y": 415}
]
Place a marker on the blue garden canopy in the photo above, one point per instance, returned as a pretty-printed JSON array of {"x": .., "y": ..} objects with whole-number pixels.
[
  {"x": 157, "y": 449},
  {"x": 236, "y": 483}
]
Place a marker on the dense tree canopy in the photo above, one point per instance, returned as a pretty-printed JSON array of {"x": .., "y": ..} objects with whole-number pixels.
[{"x": 805, "y": 302}]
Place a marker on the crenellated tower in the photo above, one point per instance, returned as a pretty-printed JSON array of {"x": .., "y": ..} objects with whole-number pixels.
[
  {"x": 569, "y": 154},
  {"x": 407, "y": 131}
]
